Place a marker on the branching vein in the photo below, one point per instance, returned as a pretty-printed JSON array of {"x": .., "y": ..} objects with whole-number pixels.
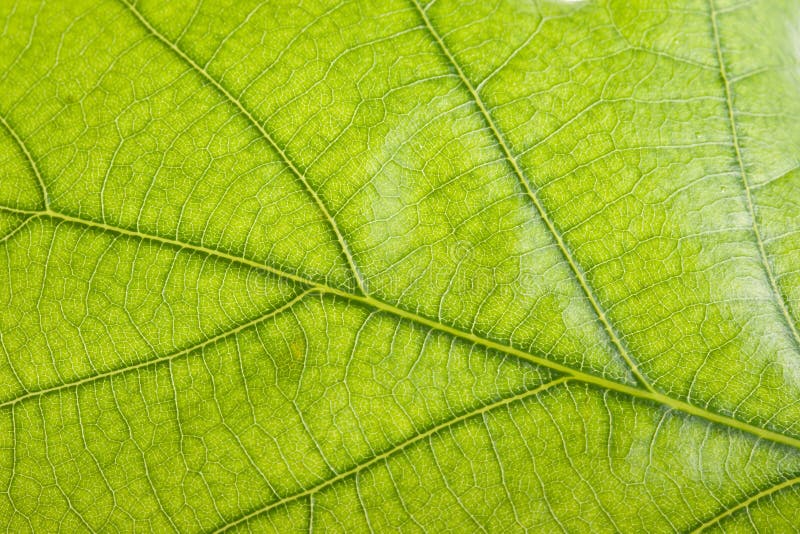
[
  {"x": 526, "y": 185},
  {"x": 779, "y": 298},
  {"x": 356, "y": 273}
]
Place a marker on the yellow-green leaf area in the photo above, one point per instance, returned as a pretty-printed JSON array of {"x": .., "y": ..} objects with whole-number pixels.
[{"x": 373, "y": 266}]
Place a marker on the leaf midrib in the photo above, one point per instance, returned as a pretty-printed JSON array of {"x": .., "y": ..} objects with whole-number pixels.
[{"x": 376, "y": 304}]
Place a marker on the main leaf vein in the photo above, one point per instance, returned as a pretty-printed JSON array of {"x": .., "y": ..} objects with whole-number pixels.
[{"x": 375, "y": 304}]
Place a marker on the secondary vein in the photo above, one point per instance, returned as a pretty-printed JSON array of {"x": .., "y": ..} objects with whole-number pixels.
[
  {"x": 746, "y": 503},
  {"x": 390, "y": 452},
  {"x": 355, "y": 271},
  {"x": 543, "y": 214},
  {"x": 29, "y": 158},
  {"x": 169, "y": 357},
  {"x": 762, "y": 253}
]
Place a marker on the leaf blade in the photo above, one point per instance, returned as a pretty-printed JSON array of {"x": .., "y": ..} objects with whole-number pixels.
[{"x": 188, "y": 320}]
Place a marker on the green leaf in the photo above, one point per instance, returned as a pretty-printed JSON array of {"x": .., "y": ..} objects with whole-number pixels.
[{"x": 377, "y": 265}]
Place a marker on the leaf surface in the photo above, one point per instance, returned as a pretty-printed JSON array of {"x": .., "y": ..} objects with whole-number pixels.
[{"x": 365, "y": 266}]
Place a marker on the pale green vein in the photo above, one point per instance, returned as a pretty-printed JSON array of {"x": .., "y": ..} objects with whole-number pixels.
[
  {"x": 746, "y": 503},
  {"x": 34, "y": 168},
  {"x": 356, "y": 273},
  {"x": 169, "y": 357},
  {"x": 18, "y": 228},
  {"x": 182, "y": 245},
  {"x": 18, "y": 211},
  {"x": 779, "y": 297},
  {"x": 388, "y": 453},
  {"x": 543, "y": 214},
  {"x": 375, "y": 304}
]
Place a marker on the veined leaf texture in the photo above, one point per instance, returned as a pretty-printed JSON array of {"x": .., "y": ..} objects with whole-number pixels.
[{"x": 496, "y": 266}]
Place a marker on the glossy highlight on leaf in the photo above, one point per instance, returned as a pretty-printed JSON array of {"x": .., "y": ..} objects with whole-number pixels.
[{"x": 371, "y": 266}]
